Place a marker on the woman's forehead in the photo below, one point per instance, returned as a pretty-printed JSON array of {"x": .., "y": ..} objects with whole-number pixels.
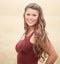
[{"x": 32, "y": 10}]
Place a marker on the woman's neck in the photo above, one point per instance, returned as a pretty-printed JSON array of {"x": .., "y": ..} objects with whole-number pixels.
[{"x": 31, "y": 29}]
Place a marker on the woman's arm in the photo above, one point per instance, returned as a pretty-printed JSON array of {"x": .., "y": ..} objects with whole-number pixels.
[{"x": 52, "y": 55}]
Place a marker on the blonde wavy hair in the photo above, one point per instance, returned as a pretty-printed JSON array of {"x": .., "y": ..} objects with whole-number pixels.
[{"x": 40, "y": 32}]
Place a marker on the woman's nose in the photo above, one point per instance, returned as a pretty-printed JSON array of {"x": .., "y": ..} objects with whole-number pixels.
[{"x": 31, "y": 17}]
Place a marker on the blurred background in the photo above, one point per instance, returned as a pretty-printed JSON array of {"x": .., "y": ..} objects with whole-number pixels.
[{"x": 11, "y": 26}]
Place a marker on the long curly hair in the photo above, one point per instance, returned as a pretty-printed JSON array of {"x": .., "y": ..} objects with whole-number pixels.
[{"x": 39, "y": 31}]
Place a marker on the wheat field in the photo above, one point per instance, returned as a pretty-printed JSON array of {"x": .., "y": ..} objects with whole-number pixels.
[{"x": 12, "y": 26}]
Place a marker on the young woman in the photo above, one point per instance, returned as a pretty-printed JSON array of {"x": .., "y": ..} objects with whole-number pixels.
[{"x": 35, "y": 41}]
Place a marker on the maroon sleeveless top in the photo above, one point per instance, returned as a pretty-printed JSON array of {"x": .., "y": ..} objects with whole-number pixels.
[{"x": 25, "y": 53}]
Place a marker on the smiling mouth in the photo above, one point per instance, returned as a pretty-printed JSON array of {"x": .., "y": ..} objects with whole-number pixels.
[{"x": 31, "y": 21}]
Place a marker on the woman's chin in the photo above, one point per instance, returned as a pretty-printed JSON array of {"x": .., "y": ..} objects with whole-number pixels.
[{"x": 30, "y": 25}]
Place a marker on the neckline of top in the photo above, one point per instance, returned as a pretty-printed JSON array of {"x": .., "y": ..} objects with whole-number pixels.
[{"x": 30, "y": 35}]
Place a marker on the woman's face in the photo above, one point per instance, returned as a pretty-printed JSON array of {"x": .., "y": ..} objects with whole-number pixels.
[{"x": 31, "y": 17}]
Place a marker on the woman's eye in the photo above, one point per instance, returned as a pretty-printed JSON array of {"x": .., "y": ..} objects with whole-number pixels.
[
  {"x": 31, "y": 14},
  {"x": 28, "y": 14},
  {"x": 34, "y": 14}
]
